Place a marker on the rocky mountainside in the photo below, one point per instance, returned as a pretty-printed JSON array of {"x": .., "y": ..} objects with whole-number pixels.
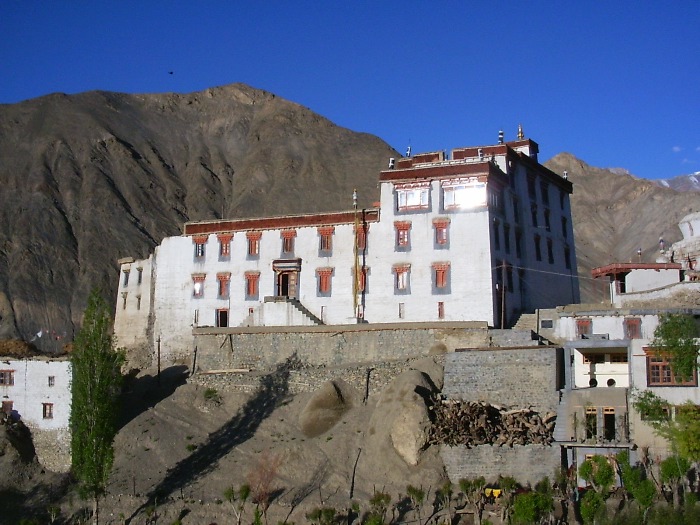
[
  {"x": 616, "y": 214},
  {"x": 682, "y": 182},
  {"x": 92, "y": 177},
  {"x": 89, "y": 178}
]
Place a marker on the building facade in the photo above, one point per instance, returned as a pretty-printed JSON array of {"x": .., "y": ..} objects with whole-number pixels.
[
  {"x": 37, "y": 391},
  {"x": 482, "y": 236}
]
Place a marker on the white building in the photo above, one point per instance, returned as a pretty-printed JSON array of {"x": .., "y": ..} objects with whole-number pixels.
[
  {"x": 37, "y": 391},
  {"x": 609, "y": 357},
  {"x": 482, "y": 236}
]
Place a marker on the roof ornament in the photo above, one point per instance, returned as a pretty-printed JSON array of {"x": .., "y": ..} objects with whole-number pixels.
[
  {"x": 521, "y": 135},
  {"x": 408, "y": 151},
  {"x": 500, "y": 136}
]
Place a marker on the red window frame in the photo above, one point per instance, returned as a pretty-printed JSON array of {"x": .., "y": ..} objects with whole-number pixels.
[
  {"x": 224, "y": 244},
  {"x": 660, "y": 373},
  {"x": 442, "y": 232},
  {"x": 251, "y": 284},
  {"x": 200, "y": 242},
  {"x": 326, "y": 238},
  {"x": 198, "y": 284},
  {"x": 633, "y": 328},
  {"x": 288, "y": 237},
  {"x": 583, "y": 327},
  {"x": 253, "y": 242},
  {"x": 403, "y": 233},
  {"x": 402, "y": 279},
  {"x": 324, "y": 279},
  {"x": 441, "y": 272},
  {"x": 224, "y": 280}
]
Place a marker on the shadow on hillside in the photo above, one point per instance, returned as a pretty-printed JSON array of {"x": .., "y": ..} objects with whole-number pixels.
[
  {"x": 272, "y": 391},
  {"x": 144, "y": 392},
  {"x": 33, "y": 503}
]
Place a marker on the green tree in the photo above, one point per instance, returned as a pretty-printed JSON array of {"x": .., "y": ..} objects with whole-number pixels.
[
  {"x": 676, "y": 335},
  {"x": 473, "y": 490},
  {"x": 95, "y": 398},
  {"x": 673, "y": 473},
  {"x": 532, "y": 507},
  {"x": 635, "y": 484}
]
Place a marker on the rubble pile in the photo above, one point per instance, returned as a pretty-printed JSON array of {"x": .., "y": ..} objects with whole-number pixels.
[{"x": 457, "y": 422}]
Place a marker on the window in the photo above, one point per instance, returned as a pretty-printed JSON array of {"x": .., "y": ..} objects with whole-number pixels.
[
  {"x": 441, "y": 310},
  {"x": 403, "y": 238},
  {"x": 199, "y": 244},
  {"x": 402, "y": 310},
  {"x": 138, "y": 302},
  {"x": 609, "y": 423},
  {"x": 224, "y": 245},
  {"x": 361, "y": 237},
  {"x": 198, "y": 284},
  {"x": 547, "y": 221},
  {"x": 544, "y": 190},
  {"x": 660, "y": 373},
  {"x": 7, "y": 377},
  {"x": 591, "y": 422},
  {"x": 531, "y": 186},
  {"x": 567, "y": 258},
  {"x": 509, "y": 277},
  {"x": 464, "y": 194},
  {"x": 253, "y": 243},
  {"x": 506, "y": 237},
  {"x": 441, "y": 275},
  {"x": 139, "y": 275},
  {"x": 619, "y": 357},
  {"x": 593, "y": 359},
  {"x": 518, "y": 243},
  {"x": 224, "y": 280},
  {"x": 124, "y": 296},
  {"x": 251, "y": 285},
  {"x": 538, "y": 251},
  {"x": 324, "y": 280},
  {"x": 52, "y": 380},
  {"x": 413, "y": 196},
  {"x": 497, "y": 234},
  {"x": 288, "y": 241},
  {"x": 583, "y": 327},
  {"x": 48, "y": 410},
  {"x": 441, "y": 232},
  {"x": 562, "y": 199},
  {"x": 533, "y": 214},
  {"x": 401, "y": 281},
  {"x": 516, "y": 209},
  {"x": 362, "y": 279},
  {"x": 550, "y": 251},
  {"x": 633, "y": 328},
  {"x": 326, "y": 239},
  {"x": 126, "y": 278},
  {"x": 564, "y": 228},
  {"x": 222, "y": 317}
]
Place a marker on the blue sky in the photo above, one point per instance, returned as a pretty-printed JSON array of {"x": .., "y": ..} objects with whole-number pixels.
[{"x": 615, "y": 83}]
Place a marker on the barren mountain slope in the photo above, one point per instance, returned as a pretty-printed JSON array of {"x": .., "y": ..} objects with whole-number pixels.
[
  {"x": 615, "y": 215},
  {"x": 92, "y": 177}
]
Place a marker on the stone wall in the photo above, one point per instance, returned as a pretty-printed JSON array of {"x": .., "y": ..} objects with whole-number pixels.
[
  {"x": 527, "y": 464},
  {"x": 53, "y": 448},
  {"x": 517, "y": 378},
  {"x": 259, "y": 348}
]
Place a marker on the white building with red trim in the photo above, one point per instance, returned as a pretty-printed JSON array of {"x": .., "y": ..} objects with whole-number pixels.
[{"x": 482, "y": 236}]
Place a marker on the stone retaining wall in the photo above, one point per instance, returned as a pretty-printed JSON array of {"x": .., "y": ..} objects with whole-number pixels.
[
  {"x": 527, "y": 464},
  {"x": 262, "y": 348}
]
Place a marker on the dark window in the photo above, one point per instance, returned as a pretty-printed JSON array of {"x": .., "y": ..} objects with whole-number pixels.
[
  {"x": 633, "y": 328},
  {"x": 48, "y": 410},
  {"x": 583, "y": 327},
  {"x": 222, "y": 318},
  {"x": 7, "y": 377}
]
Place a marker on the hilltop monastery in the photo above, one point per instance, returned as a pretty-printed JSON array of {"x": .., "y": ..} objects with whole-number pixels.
[{"x": 482, "y": 235}]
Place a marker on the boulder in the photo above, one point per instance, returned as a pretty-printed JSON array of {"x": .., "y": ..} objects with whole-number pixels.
[{"x": 325, "y": 407}]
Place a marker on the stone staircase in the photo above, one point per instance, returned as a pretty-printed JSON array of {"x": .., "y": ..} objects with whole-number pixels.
[
  {"x": 526, "y": 322},
  {"x": 562, "y": 428},
  {"x": 297, "y": 304}
]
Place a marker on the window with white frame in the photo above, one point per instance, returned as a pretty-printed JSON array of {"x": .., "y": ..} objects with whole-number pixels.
[{"x": 412, "y": 196}]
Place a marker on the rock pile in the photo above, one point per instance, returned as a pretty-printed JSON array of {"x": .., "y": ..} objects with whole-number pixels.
[{"x": 479, "y": 423}]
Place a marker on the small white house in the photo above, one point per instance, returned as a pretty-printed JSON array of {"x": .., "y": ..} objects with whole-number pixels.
[{"x": 37, "y": 390}]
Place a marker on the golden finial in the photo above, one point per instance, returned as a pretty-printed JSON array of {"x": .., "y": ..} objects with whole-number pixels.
[{"x": 521, "y": 135}]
